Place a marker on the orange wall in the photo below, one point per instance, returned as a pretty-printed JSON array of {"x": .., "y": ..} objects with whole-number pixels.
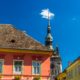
[
  {"x": 8, "y": 67},
  {"x": 46, "y": 66},
  {"x": 27, "y": 68},
  {"x": 27, "y": 65}
]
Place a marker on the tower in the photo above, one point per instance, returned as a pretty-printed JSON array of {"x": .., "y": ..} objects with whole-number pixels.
[
  {"x": 49, "y": 38},
  {"x": 56, "y": 63}
]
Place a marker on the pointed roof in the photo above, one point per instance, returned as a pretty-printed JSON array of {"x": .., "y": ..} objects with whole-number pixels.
[
  {"x": 10, "y": 37},
  {"x": 49, "y": 38}
]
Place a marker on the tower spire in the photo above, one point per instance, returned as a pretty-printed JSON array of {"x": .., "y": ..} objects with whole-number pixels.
[{"x": 49, "y": 38}]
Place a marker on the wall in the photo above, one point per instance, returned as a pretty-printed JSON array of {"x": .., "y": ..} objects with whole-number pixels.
[{"x": 27, "y": 68}]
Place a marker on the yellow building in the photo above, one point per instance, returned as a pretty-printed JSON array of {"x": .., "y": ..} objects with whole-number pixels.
[{"x": 72, "y": 72}]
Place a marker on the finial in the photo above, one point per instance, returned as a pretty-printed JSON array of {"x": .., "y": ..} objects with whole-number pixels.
[
  {"x": 49, "y": 39},
  {"x": 48, "y": 18},
  {"x": 49, "y": 27}
]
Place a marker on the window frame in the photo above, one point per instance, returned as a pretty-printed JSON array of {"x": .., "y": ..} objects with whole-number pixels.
[
  {"x": 14, "y": 67},
  {"x": 39, "y": 67}
]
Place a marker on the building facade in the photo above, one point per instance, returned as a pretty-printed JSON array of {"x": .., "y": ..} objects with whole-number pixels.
[
  {"x": 27, "y": 64},
  {"x": 21, "y": 56},
  {"x": 24, "y": 58},
  {"x": 72, "y": 72}
]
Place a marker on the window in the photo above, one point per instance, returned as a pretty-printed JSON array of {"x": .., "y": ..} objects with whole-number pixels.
[
  {"x": 57, "y": 69},
  {"x": 52, "y": 66},
  {"x": 17, "y": 67},
  {"x": 36, "y": 67},
  {"x": 1, "y": 66},
  {"x": 79, "y": 69},
  {"x": 70, "y": 74}
]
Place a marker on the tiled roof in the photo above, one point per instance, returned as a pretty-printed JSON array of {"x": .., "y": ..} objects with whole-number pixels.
[{"x": 10, "y": 37}]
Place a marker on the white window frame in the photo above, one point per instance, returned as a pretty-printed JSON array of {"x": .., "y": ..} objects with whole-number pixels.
[
  {"x": 2, "y": 60},
  {"x": 39, "y": 67},
  {"x": 14, "y": 67}
]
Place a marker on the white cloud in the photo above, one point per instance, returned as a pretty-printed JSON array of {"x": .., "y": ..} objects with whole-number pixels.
[{"x": 46, "y": 13}]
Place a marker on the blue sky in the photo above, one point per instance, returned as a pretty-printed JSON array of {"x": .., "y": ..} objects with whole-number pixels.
[{"x": 25, "y": 15}]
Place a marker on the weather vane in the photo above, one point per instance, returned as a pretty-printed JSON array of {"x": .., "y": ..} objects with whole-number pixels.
[{"x": 45, "y": 13}]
